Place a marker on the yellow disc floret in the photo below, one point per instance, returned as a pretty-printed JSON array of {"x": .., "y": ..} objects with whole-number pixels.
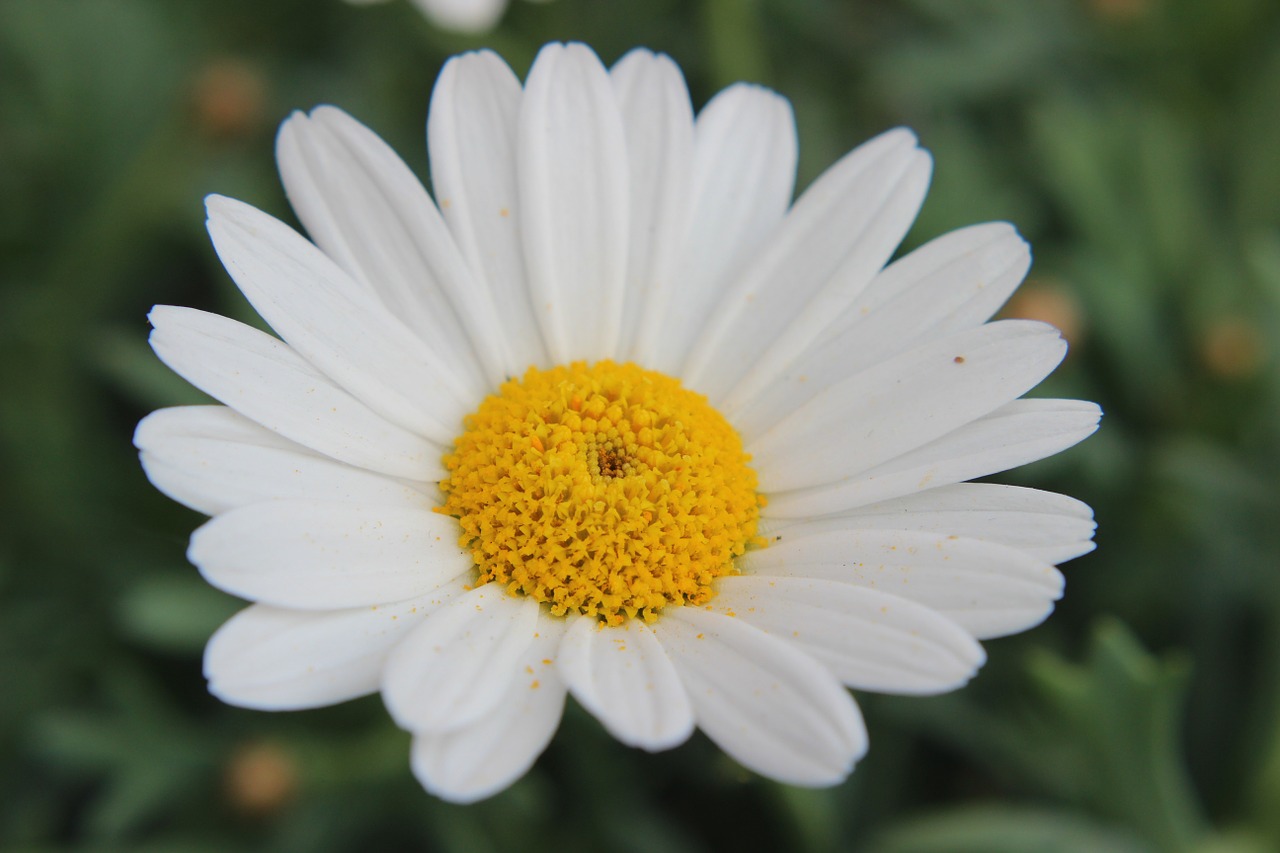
[{"x": 607, "y": 490}]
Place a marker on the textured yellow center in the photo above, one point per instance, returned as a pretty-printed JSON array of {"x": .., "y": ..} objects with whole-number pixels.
[{"x": 606, "y": 490}]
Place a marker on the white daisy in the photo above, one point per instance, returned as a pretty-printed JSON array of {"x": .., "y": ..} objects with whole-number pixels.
[
  {"x": 477, "y": 470},
  {"x": 467, "y": 16}
]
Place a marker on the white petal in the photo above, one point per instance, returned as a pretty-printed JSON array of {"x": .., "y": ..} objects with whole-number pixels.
[
  {"x": 771, "y": 707},
  {"x": 988, "y": 589},
  {"x": 625, "y": 679},
  {"x": 1050, "y": 527},
  {"x": 276, "y": 660},
  {"x": 839, "y": 234},
  {"x": 471, "y": 133},
  {"x": 371, "y": 214},
  {"x": 456, "y": 667},
  {"x": 951, "y": 284},
  {"x": 467, "y": 16},
  {"x": 355, "y": 342},
  {"x": 573, "y": 178},
  {"x": 266, "y": 381},
  {"x": 869, "y": 640},
  {"x": 212, "y": 460},
  {"x": 481, "y": 758},
  {"x": 1015, "y": 434},
  {"x": 318, "y": 555},
  {"x": 908, "y": 401},
  {"x": 658, "y": 121},
  {"x": 743, "y": 176}
]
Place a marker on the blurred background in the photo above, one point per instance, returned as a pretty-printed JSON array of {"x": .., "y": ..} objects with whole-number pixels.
[{"x": 1134, "y": 142}]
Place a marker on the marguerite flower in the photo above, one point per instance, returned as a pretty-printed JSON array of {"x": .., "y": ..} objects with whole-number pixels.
[
  {"x": 611, "y": 417},
  {"x": 468, "y": 16}
]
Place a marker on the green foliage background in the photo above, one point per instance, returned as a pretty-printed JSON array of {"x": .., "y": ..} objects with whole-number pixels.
[{"x": 1134, "y": 142}]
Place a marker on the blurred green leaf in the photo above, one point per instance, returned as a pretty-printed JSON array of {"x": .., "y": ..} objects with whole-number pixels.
[
  {"x": 144, "y": 756},
  {"x": 815, "y": 815},
  {"x": 174, "y": 613},
  {"x": 1121, "y": 711},
  {"x": 734, "y": 41},
  {"x": 1083, "y": 148},
  {"x": 975, "y": 50},
  {"x": 1007, "y": 829},
  {"x": 1170, "y": 190},
  {"x": 1254, "y": 165},
  {"x": 126, "y": 360}
]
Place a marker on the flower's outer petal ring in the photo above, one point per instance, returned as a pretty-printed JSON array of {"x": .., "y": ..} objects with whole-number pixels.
[
  {"x": 771, "y": 707},
  {"x": 1015, "y": 434},
  {"x": 624, "y": 678},
  {"x": 657, "y": 118},
  {"x": 828, "y": 248},
  {"x": 989, "y": 590},
  {"x": 212, "y": 459},
  {"x": 471, "y": 136},
  {"x": 266, "y": 381},
  {"x": 744, "y": 173},
  {"x": 946, "y": 286},
  {"x": 477, "y": 760},
  {"x": 285, "y": 660},
  {"x": 869, "y": 640},
  {"x": 904, "y": 403},
  {"x": 456, "y": 667},
  {"x": 1050, "y": 527},
  {"x": 574, "y": 190},
  {"x": 321, "y": 555}
]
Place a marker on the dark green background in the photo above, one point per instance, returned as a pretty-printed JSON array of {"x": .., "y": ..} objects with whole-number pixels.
[{"x": 1132, "y": 141}]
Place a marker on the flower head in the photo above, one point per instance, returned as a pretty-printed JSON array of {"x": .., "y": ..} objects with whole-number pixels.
[
  {"x": 468, "y": 16},
  {"x": 611, "y": 416}
]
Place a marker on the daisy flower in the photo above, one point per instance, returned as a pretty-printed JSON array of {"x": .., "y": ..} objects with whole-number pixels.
[
  {"x": 467, "y": 16},
  {"x": 610, "y": 416}
]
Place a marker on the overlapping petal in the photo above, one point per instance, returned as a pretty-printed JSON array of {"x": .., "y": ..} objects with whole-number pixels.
[
  {"x": 480, "y": 758},
  {"x": 829, "y": 246},
  {"x": 456, "y": 667},
  {"x": 471, "y": 134},
  {"x": 657, "y": 120},
  {"x": 771, "y": 707},
  {"x": 744, "y": 164},
  {"x": 948, "y": 285},
  {"x": 321, "y": 554},
  {"x": 1014, "y": 434},
  {"x": 869, "y": 639},
  {"x": 1048, "y": 526},
  {"x": 354, "y": 341},
  {"x": 368, "y": 212},
  {"x": 904, "y": 403},
  {"x": 212, "y": 459},
  {"x": 267, "y": 382},
  {"x": 624, "y": 677},
  {"x": 273, "y": 659},
  {"x": 989, "y": 589},
  {"x": 573, "y": 178}
]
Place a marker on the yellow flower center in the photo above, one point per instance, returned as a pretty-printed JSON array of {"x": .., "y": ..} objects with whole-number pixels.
[{"x": 607, "y": 490}]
